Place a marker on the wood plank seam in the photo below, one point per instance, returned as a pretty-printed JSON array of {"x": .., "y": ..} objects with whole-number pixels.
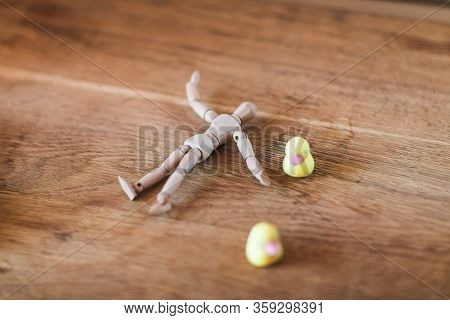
[{"x": 27, "y": 75}]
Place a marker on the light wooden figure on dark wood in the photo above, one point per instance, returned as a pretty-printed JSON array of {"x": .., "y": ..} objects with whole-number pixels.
[{"x": 198, "y": 148}]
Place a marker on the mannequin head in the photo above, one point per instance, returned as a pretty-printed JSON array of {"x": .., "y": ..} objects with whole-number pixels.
[{"x": 246, "y": 111}]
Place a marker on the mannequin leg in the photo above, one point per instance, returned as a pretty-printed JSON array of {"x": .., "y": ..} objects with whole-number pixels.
[
  {"x": 188, "y": 162},
  {"x": 155, "y": 175}
]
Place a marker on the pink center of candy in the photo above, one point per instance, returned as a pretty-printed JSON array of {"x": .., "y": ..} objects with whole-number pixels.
[
  {"x": 271, "y": 248},
  {"x": 296, "y": 159}
]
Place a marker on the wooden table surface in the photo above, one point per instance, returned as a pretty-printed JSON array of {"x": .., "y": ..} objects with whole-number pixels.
[{"x": 90, "y": 90}]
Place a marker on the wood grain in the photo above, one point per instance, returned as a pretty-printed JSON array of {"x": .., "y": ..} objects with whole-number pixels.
[{"x": 373, "y": 221}]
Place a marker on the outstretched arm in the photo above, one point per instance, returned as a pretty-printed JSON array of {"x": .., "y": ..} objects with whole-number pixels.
[
  {"x": 193, "y": 97},
  {"x": 246, "y": 150}
]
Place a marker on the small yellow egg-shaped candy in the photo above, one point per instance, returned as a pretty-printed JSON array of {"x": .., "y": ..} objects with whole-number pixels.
[
  {"x": 298, "y": 161},
  {"x": 264, "y": 246}
]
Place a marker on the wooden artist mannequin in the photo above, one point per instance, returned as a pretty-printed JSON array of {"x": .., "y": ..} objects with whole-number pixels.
[{"x": 198, "y": 148}]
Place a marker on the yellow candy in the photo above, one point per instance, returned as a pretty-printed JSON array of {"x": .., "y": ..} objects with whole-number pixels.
[
  {"x": 298, "y": 161},
  {"x": 263, "y": 245}
]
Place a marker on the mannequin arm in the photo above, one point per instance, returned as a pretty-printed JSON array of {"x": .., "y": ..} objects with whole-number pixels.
[
  {"x": 193, "y": 97},
  {"x": 246, "y": 150}
]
